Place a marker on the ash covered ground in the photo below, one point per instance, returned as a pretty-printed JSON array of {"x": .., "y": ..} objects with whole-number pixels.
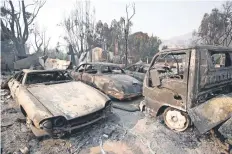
[{"x": 121, "y": 133}]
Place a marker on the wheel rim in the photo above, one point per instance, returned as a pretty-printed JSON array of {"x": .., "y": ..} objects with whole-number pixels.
[{"x": 176, "y": 120}]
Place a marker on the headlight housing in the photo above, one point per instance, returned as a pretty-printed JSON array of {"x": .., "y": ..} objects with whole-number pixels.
[
  {"x": 59, "y": 122},
  {"x": 47, "y": 124},
  {"x": 50, "y": 123}
]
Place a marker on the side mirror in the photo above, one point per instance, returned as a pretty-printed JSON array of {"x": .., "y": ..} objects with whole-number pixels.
[{"x": 155, "y": 79}]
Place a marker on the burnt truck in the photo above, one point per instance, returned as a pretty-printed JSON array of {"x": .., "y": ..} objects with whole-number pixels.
[{"x": 190, "y": 86}]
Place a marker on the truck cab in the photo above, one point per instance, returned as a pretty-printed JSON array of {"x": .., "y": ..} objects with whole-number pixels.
[{"x": 190, "y": 85}]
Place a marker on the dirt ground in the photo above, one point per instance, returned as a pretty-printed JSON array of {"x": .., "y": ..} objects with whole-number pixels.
[{"x": 121, "y": 133}]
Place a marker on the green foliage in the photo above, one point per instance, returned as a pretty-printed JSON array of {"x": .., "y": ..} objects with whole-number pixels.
[
  {"x": 216, "y": 27},
  {"x": 141, "y": 46},
  {"x": 109, "y": 37}
]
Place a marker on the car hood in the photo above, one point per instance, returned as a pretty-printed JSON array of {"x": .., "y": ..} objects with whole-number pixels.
[{"x": 71, "y": 99}]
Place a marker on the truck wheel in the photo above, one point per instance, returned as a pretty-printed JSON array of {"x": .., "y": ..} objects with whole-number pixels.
[{"x": 176, "y": 119}]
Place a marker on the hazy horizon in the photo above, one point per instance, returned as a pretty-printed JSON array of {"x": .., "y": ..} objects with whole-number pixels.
[{"x": 165, "y": 19}]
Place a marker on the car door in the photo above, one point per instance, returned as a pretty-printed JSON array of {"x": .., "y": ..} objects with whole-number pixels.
[
  {"x": 139, "y": 73},
  {"x": 89, "y": 74},
  {"x": 164, "y": 86}
]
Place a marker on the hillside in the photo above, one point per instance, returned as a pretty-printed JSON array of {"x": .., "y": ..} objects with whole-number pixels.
[{"x": 178, "y": 41}]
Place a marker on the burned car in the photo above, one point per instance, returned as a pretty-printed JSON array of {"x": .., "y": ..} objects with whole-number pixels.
[
  {"x": 190, "y": 85},
  {"x": 137, "y": 71},
  {"x": 54, "y": 104},
  {"x": 108, "y": 78}
]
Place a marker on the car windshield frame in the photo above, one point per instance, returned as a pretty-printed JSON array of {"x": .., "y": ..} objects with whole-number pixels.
[
  {"x": 63, "y": 77},
  {"x": 109, "y": 66}
]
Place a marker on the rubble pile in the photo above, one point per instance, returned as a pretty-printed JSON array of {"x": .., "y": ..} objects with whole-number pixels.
[
  {"x": 136, "y": 134},
  {"x": 121, "y": 132},
  {"x": 17, "y": 138}
]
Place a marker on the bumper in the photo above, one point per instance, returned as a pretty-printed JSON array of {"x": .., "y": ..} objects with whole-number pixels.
[
  {"x": 83, "y": 125},
  {"x": 75, "y": 124}
]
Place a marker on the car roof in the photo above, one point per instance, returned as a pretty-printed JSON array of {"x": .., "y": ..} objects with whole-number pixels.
[
  {"x": 209, "y": 47},
  {"x": 39, "y": 71}
]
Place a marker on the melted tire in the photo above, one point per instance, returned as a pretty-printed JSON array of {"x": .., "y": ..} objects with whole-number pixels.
[{"x": 182, "y": 113}]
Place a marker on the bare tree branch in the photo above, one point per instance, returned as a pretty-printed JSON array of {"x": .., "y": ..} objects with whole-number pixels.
[
  {"x": 25, "y": 33},
  {"x": 13, "y": 18},
  {"x": 19, "y": 31},
  {"x": 38, "y": 41},
  {"x": 32, "y": 4},
  {"x": 36, "y": 11},
  {"x": 133, "y": 6},
  {"x": 127, "y": 27},
  {"x": 19, "y": 12},
  {"x": 78, "y": 27},
  {"x": 216, "y": 27},
  {"x": 46, "y": 44},
  {"x": 19, "y": 20}
]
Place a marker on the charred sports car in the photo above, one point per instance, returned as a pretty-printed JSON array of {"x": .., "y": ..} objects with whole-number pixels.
[
  {"x": 108, "y": 78},
  {"x": 54, "y": 104}
]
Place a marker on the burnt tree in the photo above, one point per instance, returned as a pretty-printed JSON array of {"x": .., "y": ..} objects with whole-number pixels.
[
  {"x": 216, "y": 27},
  {"x": 127, "y": 23},
  {"x": 15, "y": 23}
]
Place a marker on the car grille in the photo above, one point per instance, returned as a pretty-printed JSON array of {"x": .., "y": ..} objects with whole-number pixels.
[{"x": 86, "y": 118}]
